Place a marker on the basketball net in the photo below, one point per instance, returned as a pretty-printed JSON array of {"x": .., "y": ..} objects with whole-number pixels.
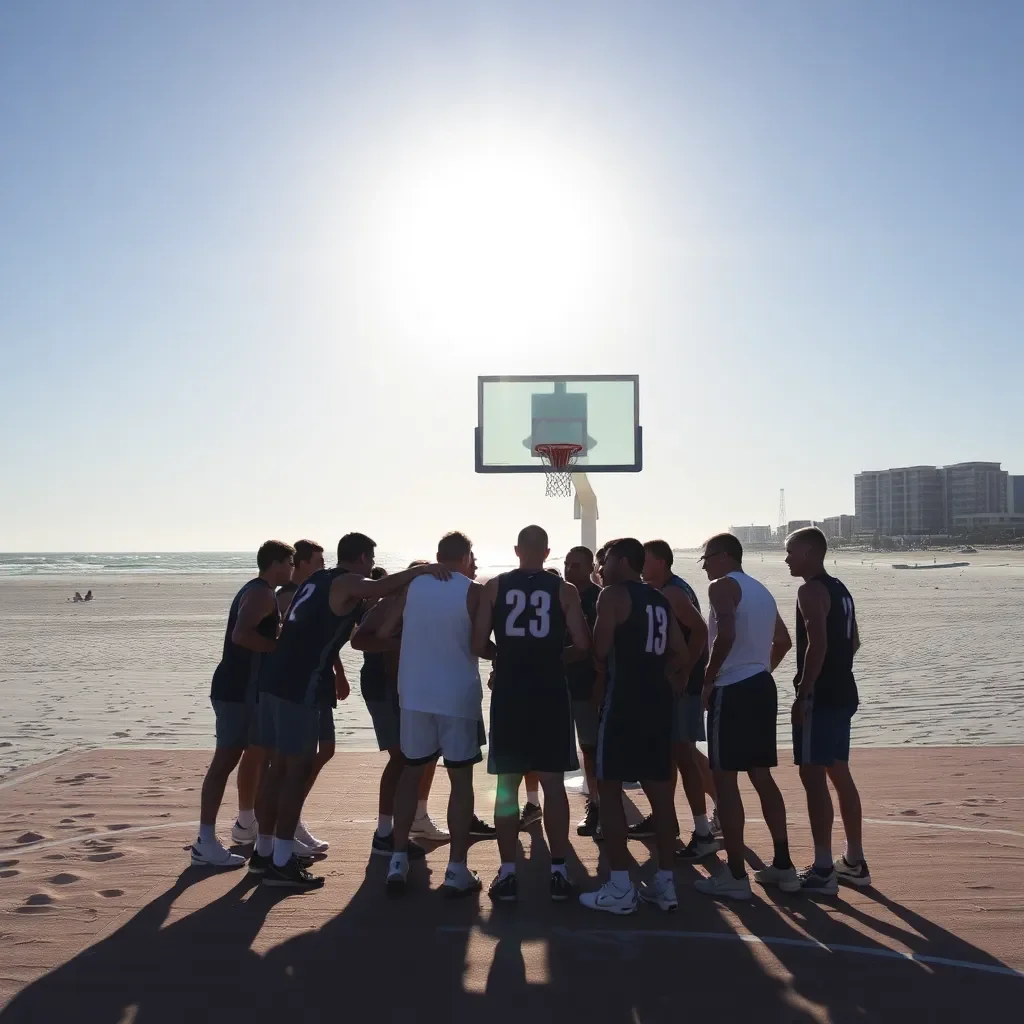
[{"x": 558, "y": 462}]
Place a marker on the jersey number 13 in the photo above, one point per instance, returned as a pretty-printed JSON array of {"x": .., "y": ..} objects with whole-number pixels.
[{"x": 657, "y": 629}]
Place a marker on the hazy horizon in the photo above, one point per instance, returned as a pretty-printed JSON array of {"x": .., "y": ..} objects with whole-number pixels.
[{"x": 253, "y": 258}]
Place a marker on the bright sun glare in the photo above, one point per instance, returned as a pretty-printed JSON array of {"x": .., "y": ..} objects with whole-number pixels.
[{"x": 504, "y": 232}]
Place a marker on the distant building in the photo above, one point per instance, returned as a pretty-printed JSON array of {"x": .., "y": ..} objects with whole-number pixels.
[
  {"x": 838, "y": 527},
  {"x": 1015, "y": 494},
  {"x": 921, "y": 500},
  {"x": 753, "y": 534},
  {"x": 797, "y": 524}
]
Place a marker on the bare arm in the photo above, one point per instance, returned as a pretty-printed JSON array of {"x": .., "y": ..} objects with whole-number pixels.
[
  {"x": 367, "y": 636},
  {"x": 475, "y": 597},
  {"x": 348, "y": 589},
  {"x": 856, "y": 638},
  {"x": 678, "y": 670},
  {"x": 692, "y": 619},
  {"x": 255, "y": 606},
  {"x": 483, "y": 620},
  {"x": 284, "y": 599},
  {"x": 576, "y": 623},
  {"x": 781, "y": 643},
  {"x": 613, "y": 608},
  {"x": 813, "y": 601},
  {"x": 725, "y": 597},
  {"x": 341, "y": 684}
]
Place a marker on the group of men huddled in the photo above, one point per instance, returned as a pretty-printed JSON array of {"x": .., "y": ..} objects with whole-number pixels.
[{"x": 616, "y": 655}]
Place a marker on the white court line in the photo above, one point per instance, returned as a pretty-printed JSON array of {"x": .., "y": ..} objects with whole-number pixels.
[
  {"x": 764, "y": 940},
  {"x": 57, "y": 762},
  {"x": 928, "y": 824}
]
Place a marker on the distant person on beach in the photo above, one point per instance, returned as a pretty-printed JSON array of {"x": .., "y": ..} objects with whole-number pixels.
[
  {"x": 294, "y": 684},
  {"x": 77, "y": 598},
  {"x": 688, "y": 712},
  {"x": 747, "y": 640},
  {"x": 529, "y": 611},
  {"x": 641, "y": 662},
  {"x": 826, "y": 700},
  {"x": 88, "y": 596},
  {"x": 440, "y": 702},
  {"x": 253, "y": 623},
  {"x": 580, "y": 676}
]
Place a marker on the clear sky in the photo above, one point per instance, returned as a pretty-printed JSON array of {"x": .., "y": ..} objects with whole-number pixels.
[{"x": 254, "y": 255}]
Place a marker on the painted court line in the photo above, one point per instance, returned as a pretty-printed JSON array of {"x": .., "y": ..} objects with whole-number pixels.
[{"x": 767, "y": 940}]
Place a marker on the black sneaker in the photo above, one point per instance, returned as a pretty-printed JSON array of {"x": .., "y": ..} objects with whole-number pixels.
[
  {"x": 530, "y": 816},
  {"x": 561, "y": 887},
  {"x": 817, "y": 882},
  {"x": 855, "y": 874},
  {"x": 504, "y": 890},
  {"x": 591, "y": 823},
  {"x": 258, "y": 865},
  {"x": 292, "y": 876},
  {"x": 642, "y": 829},
  {"x": 481, "y": 830},
  {"x": 698, "y": 847},
  {"x": 455, "y": 886},
  {"x": 384, "y": 846}
]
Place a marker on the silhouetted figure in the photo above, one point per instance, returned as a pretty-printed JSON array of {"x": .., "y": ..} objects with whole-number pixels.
[
  {"x": 88, "y": 596},
  {"x": 77, "y": 598}
]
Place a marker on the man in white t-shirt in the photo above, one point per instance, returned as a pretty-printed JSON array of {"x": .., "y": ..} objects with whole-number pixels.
[{"x": 440, "y": 697}]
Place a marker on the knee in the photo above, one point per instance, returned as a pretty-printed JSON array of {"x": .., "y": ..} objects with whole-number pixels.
[{"x": 812, "y": 776}]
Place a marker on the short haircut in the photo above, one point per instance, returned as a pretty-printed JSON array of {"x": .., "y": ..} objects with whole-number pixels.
[
  {"x": 306, "y": 549},
  {"x": 272, "y": 551},
  {"x": 353, "y": 546},
  {"x": 661, "y": 550},
  {"x": 631, "y": 550},
  {"x": 533, "y": 538},
  {"x": 378, "y": 572},
  {"x": 727, "y": 543},
  {"x": 417, "y": 561},
  {"x": 602, "y": 551},
  {"x": 581, "y": 549},
  {"x": 453, "y": 547},
  {"x": 554, "y": 572},
  {"x": 812, "y": 536}
]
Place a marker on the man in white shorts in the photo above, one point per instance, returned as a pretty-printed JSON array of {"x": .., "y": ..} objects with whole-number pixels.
[{"x": 440, "y": 700}]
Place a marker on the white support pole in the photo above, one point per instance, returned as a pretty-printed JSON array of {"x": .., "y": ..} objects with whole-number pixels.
[{"x": 585, "y": 509}]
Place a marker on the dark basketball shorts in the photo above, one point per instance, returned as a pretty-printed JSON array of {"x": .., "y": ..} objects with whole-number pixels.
[
  {"x": 237, "y": 723},
  {"x": 325, "y": 729},
  {"x": 531, "y": 727},
  {"x": 288, "y": 728},
  {"x": 688, "y": 719},
  {"x": 824, "y": 738},
  {"x": 634, "y": 739},
  {"x": 741, "y": 725},
  {"x": 585, "y": 715},
  {"x": 386, "y": 717}
]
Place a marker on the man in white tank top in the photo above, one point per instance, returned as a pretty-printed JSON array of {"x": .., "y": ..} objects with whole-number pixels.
[
  {"x": 440, "y": 697},
  {"x": 747, "y": 639}
]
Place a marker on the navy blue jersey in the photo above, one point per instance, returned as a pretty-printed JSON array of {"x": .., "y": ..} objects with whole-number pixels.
[
  {"x": 835, "y": 686},
  {"x": 301, "y": 667},
  {"x": 695, "y": 683},
  {"x": 639, "y": 655},
  {"x": 580, "y": 674},
  {"x": 529, "y": 625},
  {"x": 235, "y": 677}
]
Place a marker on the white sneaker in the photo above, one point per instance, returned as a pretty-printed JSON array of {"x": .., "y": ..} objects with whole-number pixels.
[
  {"x": 302, "y": 835},
  {"x": 398, "y": 872},
  {"x": 785, "y": 878},
  {"x": 663, "y": 895},
  {"x": 611, "y": 900},
  {"x": 244, "y": 836},
  {"x": 423, "y": 827},
  {"x": 213, "y": 855},
  {"x": 724, "y": 886},
  {"x": 303, "y": 850}
]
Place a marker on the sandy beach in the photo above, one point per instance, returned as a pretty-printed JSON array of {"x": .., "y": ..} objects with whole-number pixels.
[{"x": 942, "y": 660}]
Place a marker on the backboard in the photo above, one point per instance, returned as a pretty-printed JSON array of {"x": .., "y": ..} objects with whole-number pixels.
[{"x": 599, "y": 412}]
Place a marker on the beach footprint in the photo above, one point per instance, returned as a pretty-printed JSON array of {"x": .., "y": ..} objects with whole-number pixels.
[
  {"x": 911, "y": 813},
  {"x": 109, "y": 894},
  {"x": 64, "y": 878}
]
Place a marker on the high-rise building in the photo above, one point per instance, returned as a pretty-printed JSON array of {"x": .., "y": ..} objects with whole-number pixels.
[
  {"x": 973, "y": 488},
  {"x": 838, "y": 527},
  {"x": 1015, "y": 494},
  {"x": 753, "y": 534}
]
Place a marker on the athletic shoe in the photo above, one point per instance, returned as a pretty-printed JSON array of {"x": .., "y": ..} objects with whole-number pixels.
[
  {"x": 457, "y": 884},
  {"x": 398, "y": 872},
  {"x": 611, "y": 900},
  {"x": 663, "y": 895},
  {"x": 504, "y": 890},
  {"x": 698, "y": 847},
  {"x": 423, "y": 827},
  {"x": 530, "y": 816},
  {"x": 561, "y": 887},
  {"x": 303, "y": 836},
  {"x": 292, "y": 876},
  {"x": 819, "y": 883},
  {"x": 244, "y": 836},
  {"x": 591, "y": 823},
  {"x": 302, "y": 851},
  {"x": 785, "y": 878},
  {"x": 716, "y": 825},
  {"x": 258, "y": 865},
  {"x": 642, "y": 829},
  {"x": 479, "y": 829},
  {"x": 213, "y": 855},
  {"x": 725, "y": 886},
  {"x": 855, "y": 874},
  {"x": 384, "y": 846}
]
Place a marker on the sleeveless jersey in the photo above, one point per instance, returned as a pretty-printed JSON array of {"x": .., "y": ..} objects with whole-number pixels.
[
  {"x": 580, "y": 674},
  {"x": 639, "y": 655},
  {"x": 529, "y": 626},
  {"x": 695, "y": 683},
  {"x": 756, "y": 615},
  {"x": 835, "y": 686},
  {"x": 301, "y": 666},
  {"x": 235, "y": 678}
]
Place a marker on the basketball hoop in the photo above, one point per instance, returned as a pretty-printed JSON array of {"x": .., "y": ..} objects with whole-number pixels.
[{"x": 558, "y": 462}]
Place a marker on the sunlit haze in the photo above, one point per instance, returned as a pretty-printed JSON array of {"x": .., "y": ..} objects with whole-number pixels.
[{"x": 253, "y": 258}]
